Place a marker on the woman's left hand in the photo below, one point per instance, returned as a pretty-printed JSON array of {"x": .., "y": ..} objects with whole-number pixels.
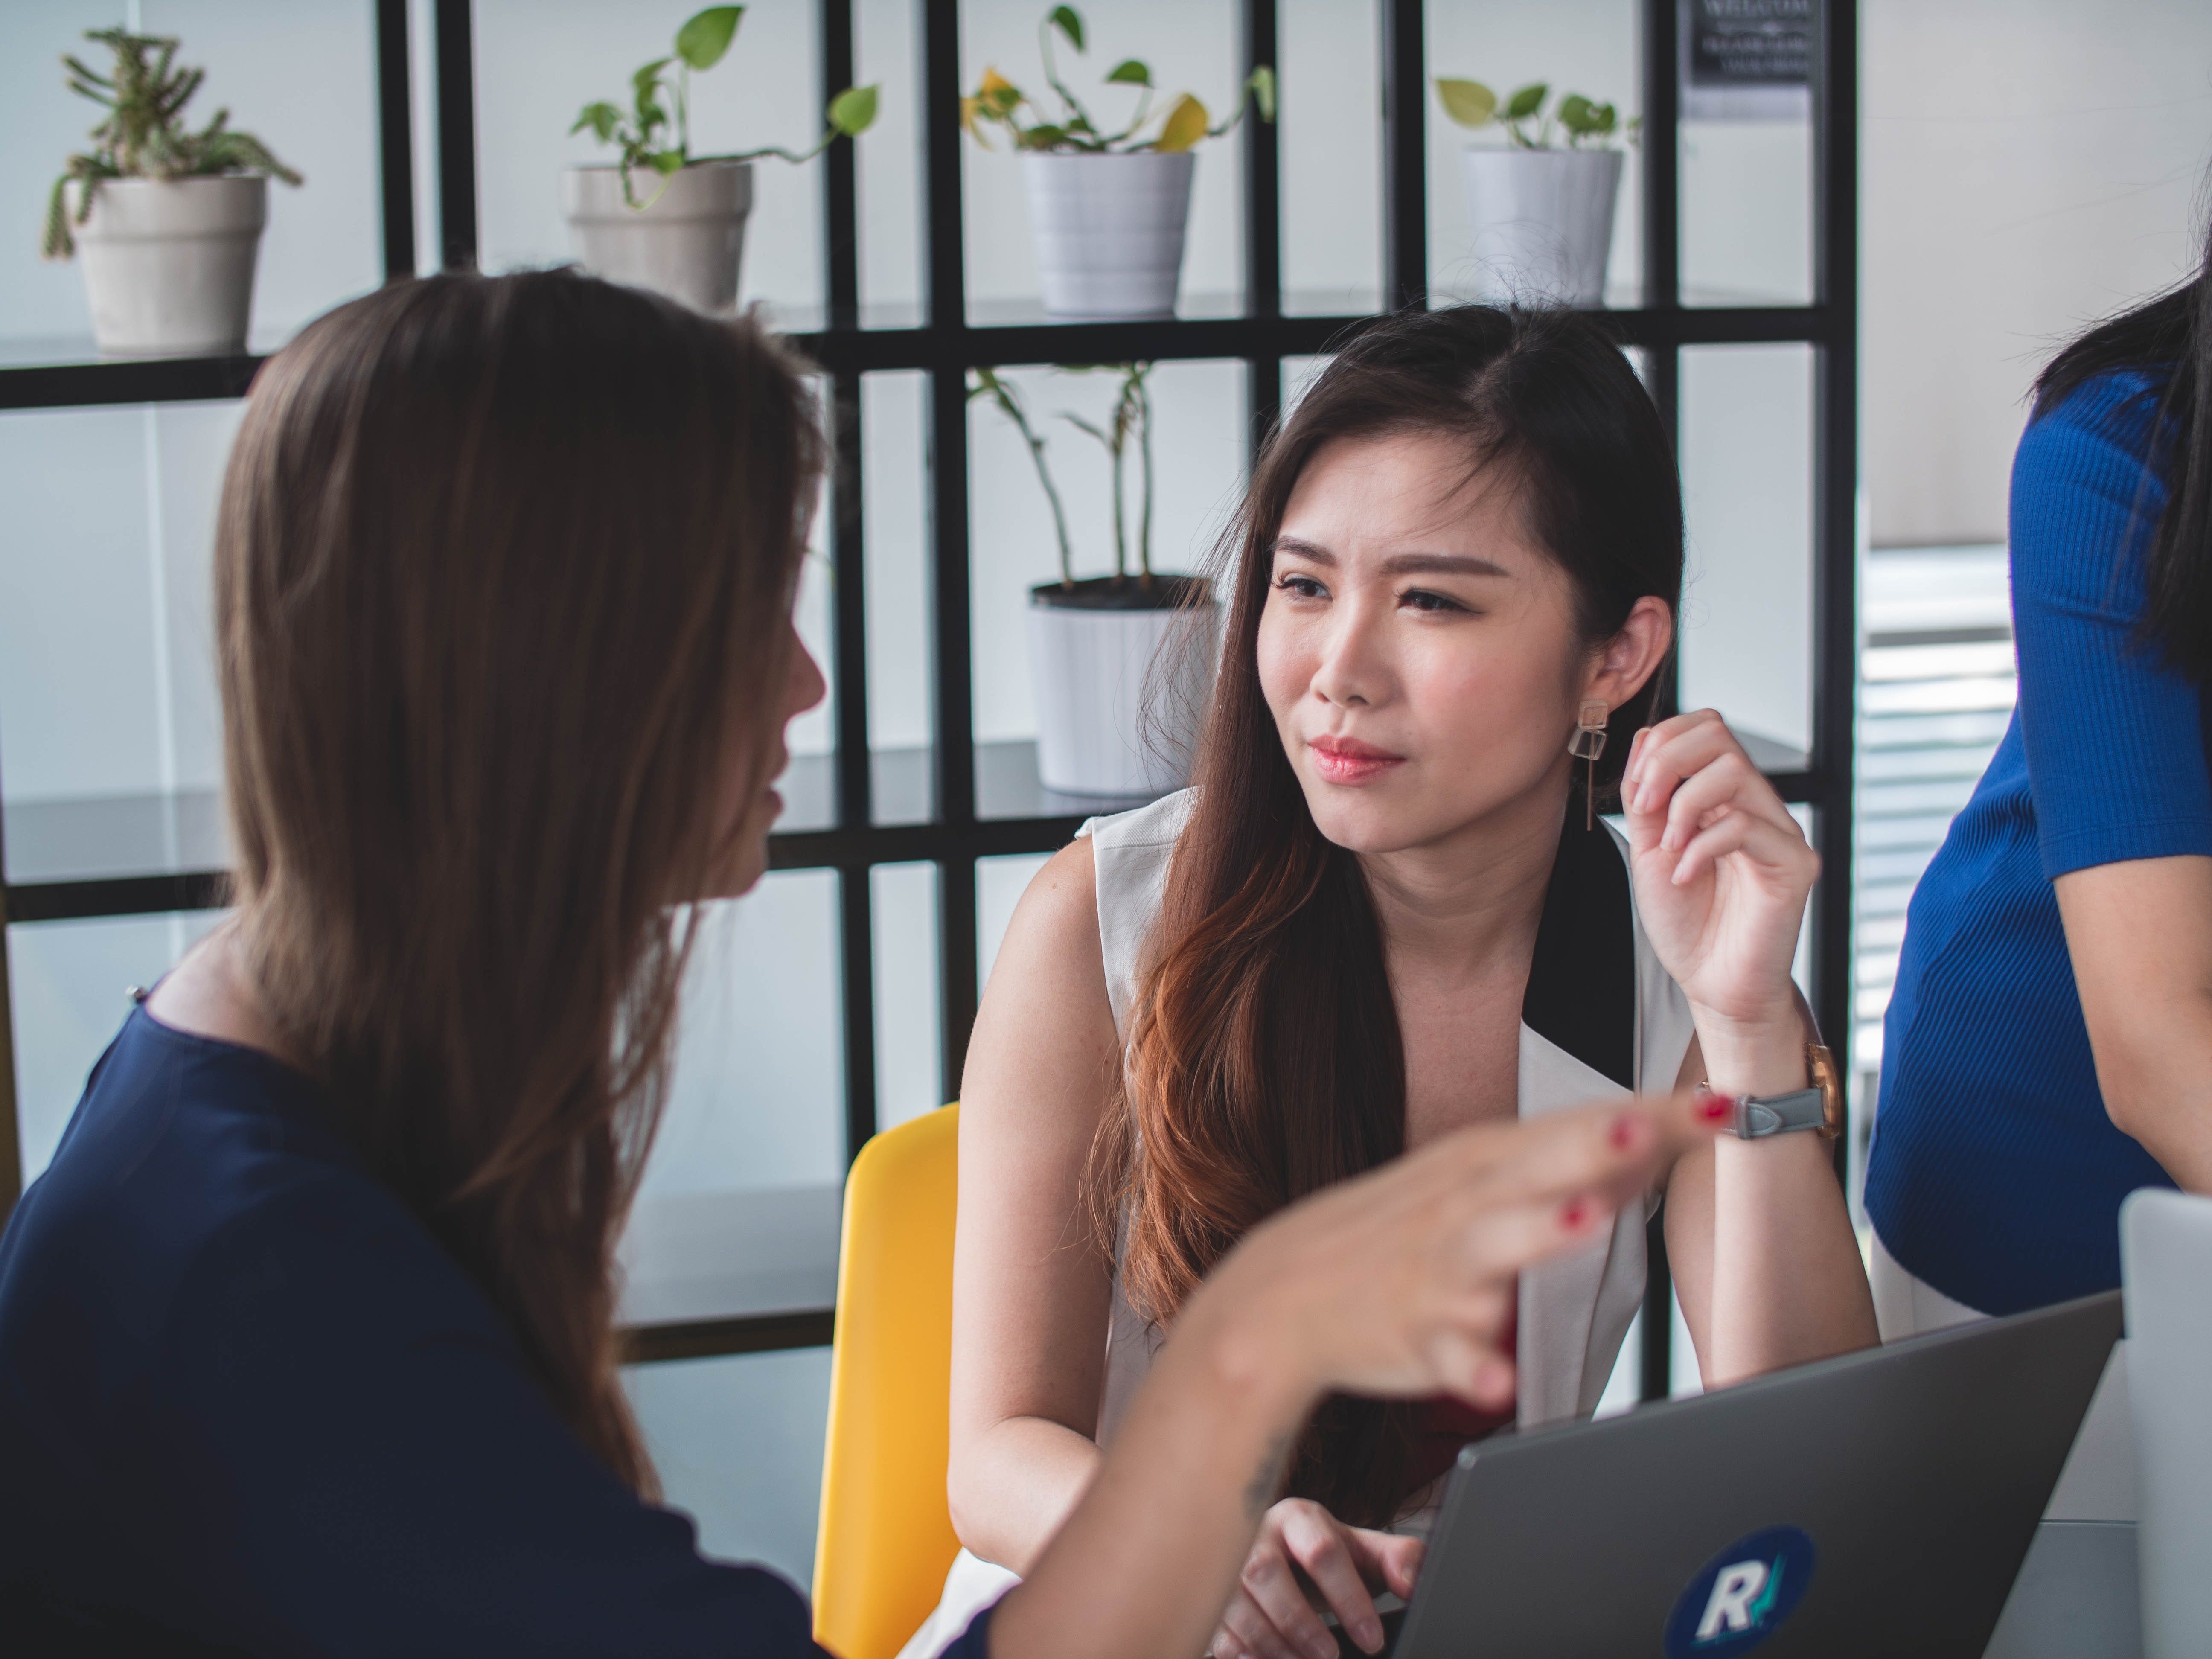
[{"x": 1722, "y": 870}]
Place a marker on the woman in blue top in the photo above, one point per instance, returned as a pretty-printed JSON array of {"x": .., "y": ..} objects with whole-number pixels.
[
  {"x": 2049, "y": 1045},
  {"x": 306, "y": 1335}
]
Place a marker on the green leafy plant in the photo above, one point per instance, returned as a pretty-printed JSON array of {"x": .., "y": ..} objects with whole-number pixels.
[
  {"x": 144, "y": 136},
  {"x": 657, "y": 138},
  {"x": 1128, "y": 425},
  {"x": 1587, "y": 125},
  {"x": 998, "y": 103}
]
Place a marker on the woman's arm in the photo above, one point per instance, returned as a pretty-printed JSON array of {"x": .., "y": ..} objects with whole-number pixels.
[
  {"x": 1758, "y": 1233},
  {"x": 1760, "y": 1239},
  {"x": 2140, "y": 934},
  {"x": 1397, "y": 1283},
  {"x": 1030, "y": 1286}
]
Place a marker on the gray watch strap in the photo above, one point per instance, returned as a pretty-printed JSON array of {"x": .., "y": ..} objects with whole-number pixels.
[{"x": 1759, "y": 1116}]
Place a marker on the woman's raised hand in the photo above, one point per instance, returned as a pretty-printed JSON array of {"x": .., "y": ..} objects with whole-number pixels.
[
  {"x": 1400, "y": 1282},
  {"x": 1301, "y": 1544},
  {"x": 1721, "y": 870}
]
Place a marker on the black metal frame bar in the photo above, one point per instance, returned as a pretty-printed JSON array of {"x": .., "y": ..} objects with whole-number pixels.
[{"x": 947, "y": 346}]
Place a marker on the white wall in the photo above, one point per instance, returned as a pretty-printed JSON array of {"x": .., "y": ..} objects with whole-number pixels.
[{"x": 2029, "y": 165}]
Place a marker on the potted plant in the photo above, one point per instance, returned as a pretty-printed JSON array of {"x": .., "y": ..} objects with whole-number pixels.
[
  {"x": 168, "y": 220},
  {"x": 1117, "y": 664},
  {"x": 661, "y": 217},
  {"x": 1107, "y": 208},
  {"x": 1542, "y": 215}
]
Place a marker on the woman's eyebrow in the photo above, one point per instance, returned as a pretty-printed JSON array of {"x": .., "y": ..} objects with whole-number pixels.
[
  {"x": 1441, "y": 564},
  {"x": 1307, "y": 550}
]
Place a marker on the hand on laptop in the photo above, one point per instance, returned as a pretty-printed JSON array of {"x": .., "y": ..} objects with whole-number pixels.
[{"x": 1301, "y": 1544}]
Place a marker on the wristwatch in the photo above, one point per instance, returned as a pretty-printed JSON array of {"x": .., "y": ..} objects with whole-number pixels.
[{"x": 1820, "y": 1107}]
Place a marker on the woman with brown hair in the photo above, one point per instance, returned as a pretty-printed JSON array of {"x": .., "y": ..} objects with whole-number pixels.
[
  {"x": 1386, "y": 911},
  {"x": 306, "y": 1334}
]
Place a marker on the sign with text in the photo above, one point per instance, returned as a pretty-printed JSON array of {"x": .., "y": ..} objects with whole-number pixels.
[{"x": 1748, "y": 60}]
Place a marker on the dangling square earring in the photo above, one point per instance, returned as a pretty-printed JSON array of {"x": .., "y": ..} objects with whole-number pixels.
[{"x": 1587, "y": 744}]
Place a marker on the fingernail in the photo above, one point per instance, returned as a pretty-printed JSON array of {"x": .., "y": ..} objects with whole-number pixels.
[
  {"x": 1711, "y": 1107},
  {"x": 1573, "y": 1213},
  {"x": 1367, "y": 1633},
  {"x": 1626, "y": 1129}
]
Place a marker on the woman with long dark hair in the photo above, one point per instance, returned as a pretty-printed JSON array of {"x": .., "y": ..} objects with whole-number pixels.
[
  {"x": 1386, "y": 910},
  {"x": 306, "y": 1334},
  {"x": 2045, "y": 1045}
]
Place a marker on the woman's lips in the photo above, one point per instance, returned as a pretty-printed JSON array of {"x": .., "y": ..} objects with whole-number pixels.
[{"x": 1347, "y": 760}]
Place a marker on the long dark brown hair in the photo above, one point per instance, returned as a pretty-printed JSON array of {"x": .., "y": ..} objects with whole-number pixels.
[
  {"x": 1264, "y": 1059},
  {"x": 503, "y": 567}
]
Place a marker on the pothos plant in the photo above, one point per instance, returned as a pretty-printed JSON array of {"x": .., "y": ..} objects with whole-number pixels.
[
  {"x": 654, "y": 134},
  {"x": 1587, "y": 125},
  {"x": 1129, "y": 425},
  {"x": 144, "y": 134},
  {"x": 1073, "y": 130}
]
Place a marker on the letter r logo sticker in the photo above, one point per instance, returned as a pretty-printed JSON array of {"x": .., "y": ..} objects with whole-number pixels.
[
  {"x": 1730, "y": 1608},
  {"x": 1741, "y": 1595}
]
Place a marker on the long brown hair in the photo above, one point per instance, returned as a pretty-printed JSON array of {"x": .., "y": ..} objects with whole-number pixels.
[
  {"x": 1264, "y": 1059},
  {"x": 503, "y": 566}
]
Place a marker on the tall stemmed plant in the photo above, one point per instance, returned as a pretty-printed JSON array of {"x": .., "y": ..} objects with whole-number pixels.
[
  {"x": 1129, "y": 422},
  {"x": 144, "y": 136}
]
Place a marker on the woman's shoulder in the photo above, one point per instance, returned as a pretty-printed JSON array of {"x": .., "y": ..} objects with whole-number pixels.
[
  {"x": 2109, "y": 418},
  {"x": 1159, "y": 824},
  {"x": 192, "y": 1169},
  {"x": 1131, "y": 853}
]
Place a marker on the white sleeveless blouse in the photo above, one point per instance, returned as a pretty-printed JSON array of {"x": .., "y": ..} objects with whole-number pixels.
[{"x": 1602, "y": 1019}]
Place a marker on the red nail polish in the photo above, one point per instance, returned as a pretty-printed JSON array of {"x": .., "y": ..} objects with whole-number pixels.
[
  {"x": 1573, "y": 1214},
  {"x": 1711, "y": 1107},
  {"x": 1623, "y": 1131}
]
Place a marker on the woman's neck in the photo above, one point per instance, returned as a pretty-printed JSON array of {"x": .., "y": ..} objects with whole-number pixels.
[
  {"x": 1470, "y": 903},
  {"x": 210, "y": 994}
]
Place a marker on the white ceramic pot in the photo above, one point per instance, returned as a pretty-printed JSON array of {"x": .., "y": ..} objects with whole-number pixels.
[
  {"x": 168, "y": 263},
  {"x": 686, "y": 245},
  {"x": 1542, "y": 221},
  {"x": 1109, "y": 231},
  {"x": 1119, "y": 693}
]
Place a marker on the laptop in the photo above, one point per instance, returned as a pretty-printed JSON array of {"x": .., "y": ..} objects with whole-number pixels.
[
  {"x": 1879, "y": 1503},
  {"x": 2165, "y": 1259}
]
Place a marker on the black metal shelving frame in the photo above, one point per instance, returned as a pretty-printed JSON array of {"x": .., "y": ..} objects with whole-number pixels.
[{"x": 945, "y": 345}]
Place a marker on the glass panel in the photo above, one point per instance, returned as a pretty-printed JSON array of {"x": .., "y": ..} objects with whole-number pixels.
[
  {"x": 1330, "y": 143},
  {"x": 69, "y": 980},
  {"x": 809, "y": 784},
  {"x": 1746, "y": 447},
  {"x": 301, "y": 74},
  {"x": 895, "y": 418},
  {"x": 537, "y": 62},
  {"x": 887, "y": 52},
  {"x": 1198, "y": 418},
  {"x": 1587, "y": 47},
  {"x": 109, "y": 726},
  {"x": 1936, "y": 685},
  {"x": 1192, "y": 48},
  {"x": 738, "y": 1441},
  {"x": 1747, "y": 153},
  {"x": 1000, "y": 884},
  {"x": 909, "y": 1047},
  {"x": 737, "y": 1213}
]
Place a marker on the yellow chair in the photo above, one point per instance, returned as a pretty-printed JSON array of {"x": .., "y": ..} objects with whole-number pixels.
[{"x": 886, "y": 1539}]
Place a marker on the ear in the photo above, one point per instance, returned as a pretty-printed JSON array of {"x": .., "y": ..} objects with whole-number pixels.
[{"x": 1631, "y": 656}]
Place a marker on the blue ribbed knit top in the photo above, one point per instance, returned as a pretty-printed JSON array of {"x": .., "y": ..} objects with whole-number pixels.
[{"x": 1997, "y": 1176}]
